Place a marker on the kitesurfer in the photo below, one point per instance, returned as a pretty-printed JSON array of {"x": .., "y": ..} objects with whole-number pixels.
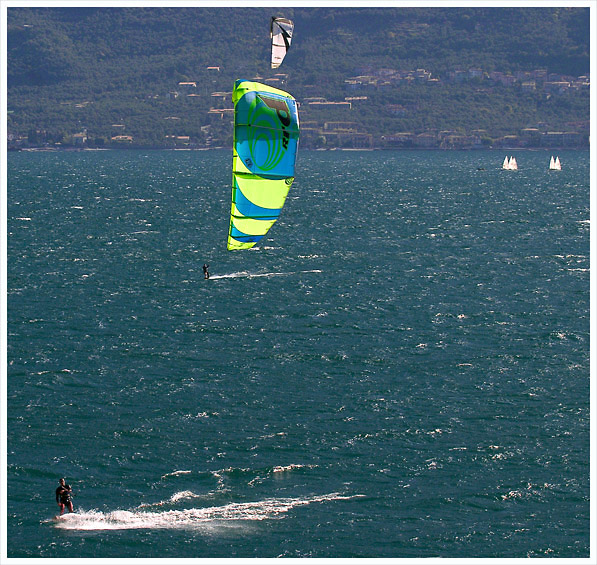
[
  {"x": 205, "y": 270},
  {"x": 63, "y": 496}
]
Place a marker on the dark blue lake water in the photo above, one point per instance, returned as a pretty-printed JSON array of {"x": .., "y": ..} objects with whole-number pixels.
[{"x": 399, "y": 369}]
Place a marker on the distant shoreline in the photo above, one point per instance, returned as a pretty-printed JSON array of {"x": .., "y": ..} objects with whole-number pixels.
[{"x": 345, "y": 149}]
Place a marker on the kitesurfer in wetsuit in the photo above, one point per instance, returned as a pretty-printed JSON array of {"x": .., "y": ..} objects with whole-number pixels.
[
  {"x": 63, "y": 496},
  {"x": 205, "y": 270}
]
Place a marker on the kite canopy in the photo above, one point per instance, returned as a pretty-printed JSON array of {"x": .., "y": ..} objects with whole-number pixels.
[
  {"x": 266, "y": 132},
  {"x": 281, "y": 34}
]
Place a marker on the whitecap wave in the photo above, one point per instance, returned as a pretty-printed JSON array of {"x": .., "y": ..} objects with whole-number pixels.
[
  {"x": 176, "y": 497},
  {"x": 291, "y": 467},
  {"x": 176, "y": 474}
]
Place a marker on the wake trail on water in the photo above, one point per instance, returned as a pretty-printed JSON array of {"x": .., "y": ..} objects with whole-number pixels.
[
  {"x": 189, "y": 518},
  {"x": 247, "y": 275}
]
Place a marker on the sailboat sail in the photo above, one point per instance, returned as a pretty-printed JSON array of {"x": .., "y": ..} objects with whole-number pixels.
[
  {"x": 266, "y": 131},
  {"x": 281, "y": 35},
  {"x": 505, "y": 164},
  {"x": 513, "y": 165},
  {"x": 554, "y": 164}
]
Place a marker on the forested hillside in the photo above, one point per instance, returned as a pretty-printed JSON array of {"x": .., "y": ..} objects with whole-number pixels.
[{"x": 147, "y": 76}]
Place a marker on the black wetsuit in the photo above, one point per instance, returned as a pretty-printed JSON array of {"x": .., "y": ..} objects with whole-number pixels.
[
  {"x": 205, "y": 271},
  {"x": 63, "y": 494}
]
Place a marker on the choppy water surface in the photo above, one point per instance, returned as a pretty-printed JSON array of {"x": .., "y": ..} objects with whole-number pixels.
[{"x": 400, "y": 369}]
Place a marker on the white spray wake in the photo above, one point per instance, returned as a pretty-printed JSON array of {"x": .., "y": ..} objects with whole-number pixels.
[
  {"x": 247, "y": 275},
  {"x": 190, "y": 518}
]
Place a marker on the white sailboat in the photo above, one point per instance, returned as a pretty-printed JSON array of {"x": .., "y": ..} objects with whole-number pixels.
[
  {"x": 510, "y": 165},
  {"x": 554, "y": 164}
]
